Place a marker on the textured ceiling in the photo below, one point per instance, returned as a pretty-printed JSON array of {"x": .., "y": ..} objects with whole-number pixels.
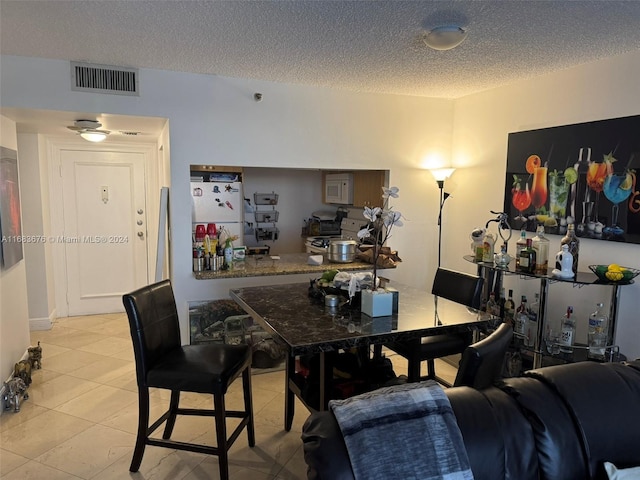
[{"x": 370, "y": 46}]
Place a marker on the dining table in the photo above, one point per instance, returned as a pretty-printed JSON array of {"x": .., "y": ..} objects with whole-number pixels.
[{"x": 304, "y": 326}]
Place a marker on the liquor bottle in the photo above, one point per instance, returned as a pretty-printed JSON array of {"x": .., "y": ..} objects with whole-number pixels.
[
  {"x": 567, "y": 332},
  {"x": 528, "y": 258},
  {"x": 597, "y": 333},
  {"x": 532, "y": 323},
  {"x": 521, "y": 244},
  {"x": 492, "y": 306},
  {"x": 522, "y": 318},
  {"x": 573, "y": 243},
  {"x": 540, "y": 244},
  {"x": 509, "y": 309},
  {"x": 502, "y": 302}
]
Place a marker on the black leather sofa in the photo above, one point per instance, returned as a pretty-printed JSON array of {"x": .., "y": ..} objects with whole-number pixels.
[{"x": 554, "y": 423}]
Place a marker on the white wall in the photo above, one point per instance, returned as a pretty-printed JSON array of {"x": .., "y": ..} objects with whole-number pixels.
[
  {"x": 595, "y": 91},
  {"x": 14, "y": 316},
  {"x": 214, "y": 120}
]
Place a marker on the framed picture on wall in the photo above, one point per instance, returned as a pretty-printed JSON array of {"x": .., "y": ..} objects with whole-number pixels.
[
  {"x": 10, "y": 227},
  {"x": 585, "y": 174}
]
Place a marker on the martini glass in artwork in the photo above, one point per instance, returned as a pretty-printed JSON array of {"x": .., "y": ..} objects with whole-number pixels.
[
  {"x": 521, "y": 199},
  {"x": 617, "y": 188}
]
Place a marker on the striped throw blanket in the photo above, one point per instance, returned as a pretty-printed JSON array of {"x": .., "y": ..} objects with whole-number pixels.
[{"x": 403, "y": 432}]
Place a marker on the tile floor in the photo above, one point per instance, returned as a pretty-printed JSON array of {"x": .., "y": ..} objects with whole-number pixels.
[{"x": 81, "y": 418}]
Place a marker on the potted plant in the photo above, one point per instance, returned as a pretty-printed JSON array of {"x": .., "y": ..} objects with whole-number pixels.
[{"x": 377, "y": 301}]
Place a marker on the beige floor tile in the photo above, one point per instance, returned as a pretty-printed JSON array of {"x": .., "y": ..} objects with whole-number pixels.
[
  {"x": 42, "y": 433},
  {"x": 273, "y": 414},
  {"x": 89, "y": 452},
  {"x": 274, "y": 448},
  {"x": 28, "y": 410},
  {"x": 269, "y": 381},
  {"x": 209, "y": 469},
  {"x": 104, "y": 369},
  {"x": 157, "y": 464},
  {"x": 37, "y": 471},
  {"x": 99, "y": 403},
  {"x": 43, "y": 375},
  {"x": 126, "y": 419},
  {"x": 10, "y": 461},
  {"x": 126, "y": 382},
  {"x": 74, "y": 338},
  {"x": 295, "y": 469},
  {"x": 59, "y": 390},
  {"x": 108, "y": 346},
  {"x": 72, "y": 360}
]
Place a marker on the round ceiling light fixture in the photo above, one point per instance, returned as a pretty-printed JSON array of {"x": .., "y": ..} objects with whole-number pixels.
[
  {"x": 445, "y": 37},
  {"x": 88, "y": 129}
]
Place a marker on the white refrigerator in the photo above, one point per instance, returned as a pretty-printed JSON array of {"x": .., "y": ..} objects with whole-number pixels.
[{"x": 221, "y": 203}]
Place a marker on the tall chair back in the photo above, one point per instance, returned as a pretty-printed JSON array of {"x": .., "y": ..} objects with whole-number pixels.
[
  {"x": 153, "y": 320},
  {"x": 458, "y": 287},
  {"x": 482, "y": 361}
]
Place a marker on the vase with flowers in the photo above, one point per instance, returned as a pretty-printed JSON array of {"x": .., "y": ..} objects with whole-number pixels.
[{"x": 382, "y": 220}]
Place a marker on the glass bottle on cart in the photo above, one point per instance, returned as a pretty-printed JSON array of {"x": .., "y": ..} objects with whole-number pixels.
[
  {"x": 567, "y": 332},
  {"x": 597, "y": 333}
]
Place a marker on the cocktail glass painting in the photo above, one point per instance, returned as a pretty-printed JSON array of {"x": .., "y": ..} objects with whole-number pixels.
[
  {"x": 584, "y": 174},
  {"x": 10, "y": 229}
]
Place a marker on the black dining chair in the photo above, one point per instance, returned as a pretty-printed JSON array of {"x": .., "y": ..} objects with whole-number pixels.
[
  {"x": 454, "y": 286},
  {"x": 482, "y": 362},
  {"x": 163, "y": 362}
]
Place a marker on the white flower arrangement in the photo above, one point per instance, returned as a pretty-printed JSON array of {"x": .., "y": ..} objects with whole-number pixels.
[{"x": 382, "y": 220}]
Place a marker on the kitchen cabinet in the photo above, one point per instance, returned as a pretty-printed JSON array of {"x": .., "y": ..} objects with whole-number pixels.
[
  {"x": 367, "y": 188},
  {"x": 541, "y": 356}
]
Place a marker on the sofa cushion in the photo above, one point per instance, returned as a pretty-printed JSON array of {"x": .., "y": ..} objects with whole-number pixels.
[
  {"x": 498, "y": 439},
  {"x": 606, "y": 417}
]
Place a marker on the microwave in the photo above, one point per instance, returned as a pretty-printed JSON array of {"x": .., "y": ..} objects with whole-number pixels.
[{"x": 338, "y": 188}]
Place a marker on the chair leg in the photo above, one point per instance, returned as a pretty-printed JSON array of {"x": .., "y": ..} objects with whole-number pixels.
[
  {"x": 289, "y": 400},
  {"x": 248, "y": 405},
  {"x": 431, "y": 368},
  {"x": 173, "y": 408},
  {"x": 221, "y": 436},
  {"x": 143, "y": 425}
]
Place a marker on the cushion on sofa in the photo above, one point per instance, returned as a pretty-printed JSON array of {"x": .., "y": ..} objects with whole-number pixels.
[{"x": 598, "y": 413}]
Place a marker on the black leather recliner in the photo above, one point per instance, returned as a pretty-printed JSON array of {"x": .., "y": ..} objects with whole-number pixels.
[{"x": 557, "y": 423}]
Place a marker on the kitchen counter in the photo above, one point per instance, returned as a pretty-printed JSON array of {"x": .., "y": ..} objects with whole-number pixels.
[{"x": 287, "y": 264}]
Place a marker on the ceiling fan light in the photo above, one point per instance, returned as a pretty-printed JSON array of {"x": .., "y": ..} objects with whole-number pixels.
[
  {"x": 93, "y": 136},
  {"x": 445, "y": 37}
]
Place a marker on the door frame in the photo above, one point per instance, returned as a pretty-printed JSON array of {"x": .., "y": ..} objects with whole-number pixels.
[{"x": 54, "y": 148}]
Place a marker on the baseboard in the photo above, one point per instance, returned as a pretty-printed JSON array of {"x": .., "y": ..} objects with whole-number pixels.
[{"x": 44, "y": 323}]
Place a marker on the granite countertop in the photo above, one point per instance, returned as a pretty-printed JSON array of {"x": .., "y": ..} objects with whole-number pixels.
[{"x": 284, "y": 264}]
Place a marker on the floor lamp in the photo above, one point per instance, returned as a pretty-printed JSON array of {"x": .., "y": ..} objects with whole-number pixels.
[{"x": 441, "y": 174}]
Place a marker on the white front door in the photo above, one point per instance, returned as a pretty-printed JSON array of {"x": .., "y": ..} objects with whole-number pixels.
[{"x": 105, "y": 228}]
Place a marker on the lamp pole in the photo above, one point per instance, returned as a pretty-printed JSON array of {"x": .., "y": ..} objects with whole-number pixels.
[{"x": 443, "y": 198}]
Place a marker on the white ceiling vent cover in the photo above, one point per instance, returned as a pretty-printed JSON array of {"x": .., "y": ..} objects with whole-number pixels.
[{"x": 87, "y": 77}]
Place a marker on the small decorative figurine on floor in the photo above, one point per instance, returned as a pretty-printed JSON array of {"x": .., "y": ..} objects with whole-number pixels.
[
  {"x": 15, "y": 389},
  {"x": 22, "y": 370},
  {"x": 35, "y": 356}
]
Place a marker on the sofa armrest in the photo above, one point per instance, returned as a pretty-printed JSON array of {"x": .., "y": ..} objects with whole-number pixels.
[{"x": 324, "y": 449}]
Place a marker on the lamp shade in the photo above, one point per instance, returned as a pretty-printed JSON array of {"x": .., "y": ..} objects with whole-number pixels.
[
  {"x": 445, "y": 37},
  {"x": 93, "y": 136},
  {"x": 441, "y": 174}
]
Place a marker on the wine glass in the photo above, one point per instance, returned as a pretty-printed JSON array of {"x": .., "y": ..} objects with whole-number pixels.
[
  {"x": 617, "y": 187},
  {"x": 521, "y": 199}
]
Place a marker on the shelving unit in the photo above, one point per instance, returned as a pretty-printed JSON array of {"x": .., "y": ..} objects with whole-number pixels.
[
  {"x": 493, "y": 275},
  {"x": 266, "y": 218}
]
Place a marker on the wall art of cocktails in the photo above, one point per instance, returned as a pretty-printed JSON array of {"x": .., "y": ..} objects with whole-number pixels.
[{"x": 586, "y": 174}]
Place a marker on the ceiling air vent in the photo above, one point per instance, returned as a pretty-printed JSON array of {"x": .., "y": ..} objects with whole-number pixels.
[{"x": 87, "y": 77}]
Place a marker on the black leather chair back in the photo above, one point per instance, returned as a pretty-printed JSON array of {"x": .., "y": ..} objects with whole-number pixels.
[
  {"x": 481, "y": 362},
  {"x": 458, "y": 287},
  {"x": 153, "y": 319}
]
